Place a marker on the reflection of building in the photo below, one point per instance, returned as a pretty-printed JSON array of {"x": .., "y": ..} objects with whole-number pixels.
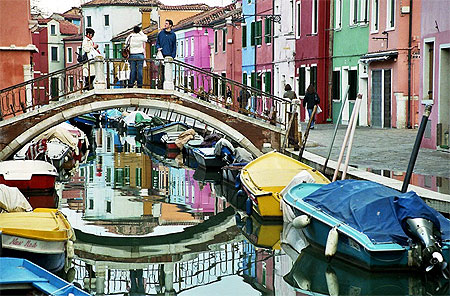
[
  {"x": 74, "y": 193},
  {"x": 198, "y": 195},
  {"x": 177, "y": 187},
  {"x": 159, "y": 179}
]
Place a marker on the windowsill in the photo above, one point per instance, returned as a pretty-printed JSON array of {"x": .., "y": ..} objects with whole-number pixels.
[
  {"x": 427, "y": 102},
  {"x": 338, "y": 29},
  {"x": 389, "y": 29},
  {"x": 374, "y": 32}
]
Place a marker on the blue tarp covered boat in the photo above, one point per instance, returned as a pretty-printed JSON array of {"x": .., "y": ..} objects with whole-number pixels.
[
  {"x": 22, "y": 276},
  {"x": 377, "y": 226}
]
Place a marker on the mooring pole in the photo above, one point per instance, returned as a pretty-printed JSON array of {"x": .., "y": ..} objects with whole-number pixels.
[{"x": 412, "y": 160}]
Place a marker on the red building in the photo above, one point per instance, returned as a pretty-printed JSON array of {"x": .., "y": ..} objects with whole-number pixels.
[
  {"x": 16, "y": 46},
  {"x": 312, "y": 60},
  {"x": 40, "y": 40}
]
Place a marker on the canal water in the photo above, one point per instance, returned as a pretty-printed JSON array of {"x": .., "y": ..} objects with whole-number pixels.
[{"x": 149, "y": 222}]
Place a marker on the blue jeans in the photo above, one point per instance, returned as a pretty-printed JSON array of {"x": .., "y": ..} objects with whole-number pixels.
[
  {"x": 136, "y": 64},
  {"x": 310, "y": 112}
]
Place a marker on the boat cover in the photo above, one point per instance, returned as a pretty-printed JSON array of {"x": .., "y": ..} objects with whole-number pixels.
[
  {"x": 376, "y": 210},
  {"x": 12, "y": 200}
]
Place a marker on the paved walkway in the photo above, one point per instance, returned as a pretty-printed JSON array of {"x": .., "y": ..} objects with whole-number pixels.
[{"x": 380, "y": 149}]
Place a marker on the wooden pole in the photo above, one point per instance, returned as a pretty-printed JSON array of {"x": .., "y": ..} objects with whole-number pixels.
[
  {"x": 305, "y": 136},
  {"x": 286, "y": 137},
  {"x": 352, "y": 133}
]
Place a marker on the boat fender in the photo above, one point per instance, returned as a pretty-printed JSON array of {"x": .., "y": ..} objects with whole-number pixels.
[
  {"x": 248, "y": 206},
  {"x": 332, "y": 282},
  {"x": 332, "y": 242},
  {"x": 70, "y": 249},
  {"x": 301, "y": 221}
]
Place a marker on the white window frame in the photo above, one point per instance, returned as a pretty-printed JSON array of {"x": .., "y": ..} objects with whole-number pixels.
[
  {"x": 375, "y": 17},
  {"x": 292, "y": 5},
  {"x": 315, "y": 22},
  {"x": 363, "y": 12},
  {"x": 338, "y": 15},
  {"x": 389, "y": 9},
  {"x": 352, "y": 20},
  {"x": 425, "y": 76},
  {"x": 69, "y": 56},
  {"x": 186, "y": 48},
  {"x": 298, "y": 19},
  {"x": 192, "y": 46},
  {"x": 51, "y": 29},
  {"x": 51, "y": 54}
]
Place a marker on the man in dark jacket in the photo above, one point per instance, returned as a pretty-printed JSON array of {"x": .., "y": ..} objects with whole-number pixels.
[{"x": 167, "y": 40}]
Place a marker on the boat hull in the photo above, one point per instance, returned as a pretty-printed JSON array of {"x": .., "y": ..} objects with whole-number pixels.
[{"x": 207, "y": 159}]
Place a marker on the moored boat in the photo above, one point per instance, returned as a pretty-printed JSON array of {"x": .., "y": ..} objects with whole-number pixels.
[
  {"x": 43, "y": 236},
  {"x": 265, "y": 177},
  {"x": 206, "y": 157},
  {"x": 34, "y": 178},
  {"x": 154, "y": 134},
  {"x": 371, "y": 225}
]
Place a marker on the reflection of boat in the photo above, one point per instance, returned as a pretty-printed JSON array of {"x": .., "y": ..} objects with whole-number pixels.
[
  {"x": 131, "y": 120},
  {"x": 261, "y": 234},
  {"x": 34, "y": 178},
  {"x": 266, "y": 176},
  {"x": 367, "y": 223},
  {"x": 230, "y": 172},
  {"x": 207, "y": 175},
  {"x": 42, "y": 236},
  {"x": 207, "y": 158},
  {"x": 22, "y": 277},
  {"x": 313, "y": 275}
]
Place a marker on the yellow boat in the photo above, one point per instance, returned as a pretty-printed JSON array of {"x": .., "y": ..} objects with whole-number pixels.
[
  {"x": 43, "y": 236},
  {"x": 261, "y": 234},
  {"x": 264, "y": 178}
]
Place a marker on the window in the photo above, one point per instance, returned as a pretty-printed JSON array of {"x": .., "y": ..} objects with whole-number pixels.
[
  {"x": 91, "y": 204},
  {"x": 106, "y": 51},
  {"x": 259, "y": 81},
  {"x": 181, "y": 48},
  {"x": 126, "y": 175},
  {"x": 186, "y": 43},
  {"x": 71, "y": 83},
  {"x": 138, "y": 177},
  {"x": 374, "y": 16},
  {"x": 338, "y": 17},
  {"x": 108, "y": 175},
  {"x": 216, "y": 86},
  {"x": 253, "y": 79},
  {"x": 106, "y": 20},
  {"x": 53, "y": 29},
  {"x": 192, "y": 46},
  {"x": 215, "y": 42},
  {"x": 69, "y": 55},
  {"x": 428, "y": 77},
  {"x": 223, "y": 88},
  {"x": 292, "y": 15},
  {"x": 268, "y": 82},
  {"x": 117, "y": 54},
  {"x": 267, "y": 31},
  {"x": 108, "y": 206},
  {"x": 353, "y": 83},
  {"x": 299, "y": 18},
  {"x": 224, "y": 39},
  {"x": 354, "y": 12},
  {"x": 258, "y": 36},
  {"x": 315, "y": 16},
  {"x": 390, "y": 14},
  {"x": 301, "y": 81},
  {"x": 54, "y": 54},
  {"x": 79, "y": 50},
  {"x": 88, "y": 21},
  {"x": 244, "y": 36},
  {"x": 252, "y": 34},
  {"x": 363, "y": 17},
  {"x": 54, "y": 87},
  {"x": 244, "y": 78},
  {"x": 336, "y": 85}
]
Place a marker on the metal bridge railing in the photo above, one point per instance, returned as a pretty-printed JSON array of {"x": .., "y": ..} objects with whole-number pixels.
[{"x": 163, "y": 74}]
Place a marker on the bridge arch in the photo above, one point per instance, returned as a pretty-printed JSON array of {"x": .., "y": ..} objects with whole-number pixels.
[{"x": 91, "y": 103}]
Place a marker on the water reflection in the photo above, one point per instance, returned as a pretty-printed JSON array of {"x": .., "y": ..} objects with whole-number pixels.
[{"x": 148, "y": 224}]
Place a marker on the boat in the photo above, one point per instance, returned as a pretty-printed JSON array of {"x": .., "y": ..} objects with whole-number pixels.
[
  {"x": 312, "y": 274},
  {"x": 207, "y": 158},
  {"x": 371, "y": 225},
  {"x": 34, "y": 178},
  {"x": 22, "y": 277},
  {"x": 43, "y": 236},
  {"x": 265, "y": 177},
  {"x": 129, "y": 121},
  {"x": 154, "y": 134}
]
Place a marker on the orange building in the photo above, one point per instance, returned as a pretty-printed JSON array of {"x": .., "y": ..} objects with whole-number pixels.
[{"x": 16, "y": 46}]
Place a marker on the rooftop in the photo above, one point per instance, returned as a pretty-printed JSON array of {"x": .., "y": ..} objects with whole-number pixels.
[{"x": 123, "y": 3}]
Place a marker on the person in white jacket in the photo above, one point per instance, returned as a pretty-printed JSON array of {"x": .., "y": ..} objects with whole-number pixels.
[
  {"x": 91, "y": 49},
  {"x": 136, "y": 40}
]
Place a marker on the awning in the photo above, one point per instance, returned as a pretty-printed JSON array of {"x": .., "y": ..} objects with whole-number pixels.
[{"x": 378, "y": 56}]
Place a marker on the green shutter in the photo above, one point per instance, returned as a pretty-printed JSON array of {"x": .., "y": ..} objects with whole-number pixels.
[
  {"x": 244, "y": 78},
  {"x": 153, "y": 51},
  {"x": 244, "y": 36},
  {"x": 268, "y": 30},
  {"x": 252, "y": 34},
  {"x": 268, "y": 82},
  {"x": 258, "y": 32},
  {"x": 253, "y": 79}
]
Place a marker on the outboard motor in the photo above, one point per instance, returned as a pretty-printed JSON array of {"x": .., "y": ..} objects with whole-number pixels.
[{"x": 428, "y": 235}]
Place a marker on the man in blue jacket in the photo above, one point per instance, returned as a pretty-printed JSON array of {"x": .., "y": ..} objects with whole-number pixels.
[
  {"x": 167, "y": 40},
  {"x": 166, "y": 44}
]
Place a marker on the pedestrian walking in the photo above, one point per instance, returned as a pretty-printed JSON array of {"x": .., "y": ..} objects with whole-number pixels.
[
  {"x": 229, "y": 99},
  {"x": 136, "y": 40},
  {"x": 244, "y": 95},
  {"x": 311, "y": 99},
  {"x": 91, "y": 50},
  {"x": 166, "y": 44}
]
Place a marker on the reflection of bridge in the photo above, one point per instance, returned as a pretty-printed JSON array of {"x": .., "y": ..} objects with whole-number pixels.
[
  {"x": 197, "y": 256},
  {"x": 34, "y": 106}
]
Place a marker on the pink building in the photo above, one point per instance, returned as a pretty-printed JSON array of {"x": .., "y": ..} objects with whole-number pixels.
[
  {"x": 72, "y": 48},
  {"x": 390, "y": 66},
  {"x": 16, "y": 46},
  {"x": 434, "y": 82},
  {"x": 263, "y": 31},
  {"x": 40, "y": 59}
]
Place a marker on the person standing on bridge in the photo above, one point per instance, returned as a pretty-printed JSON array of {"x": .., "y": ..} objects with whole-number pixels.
[
  {"x": 136, "y": 40},
  {"x": 166, "y": 44},
  {"x": 91, "y": 49}
]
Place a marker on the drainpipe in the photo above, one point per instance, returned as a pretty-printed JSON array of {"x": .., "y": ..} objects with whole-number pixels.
[
  {"x": 409, "y": 62},
  {"x": 330, "y": 61}
]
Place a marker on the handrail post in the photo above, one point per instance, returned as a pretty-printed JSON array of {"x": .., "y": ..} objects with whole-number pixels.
[
  {"x": 100, "y": 79},
  {"x": 168, "y": 74}
]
